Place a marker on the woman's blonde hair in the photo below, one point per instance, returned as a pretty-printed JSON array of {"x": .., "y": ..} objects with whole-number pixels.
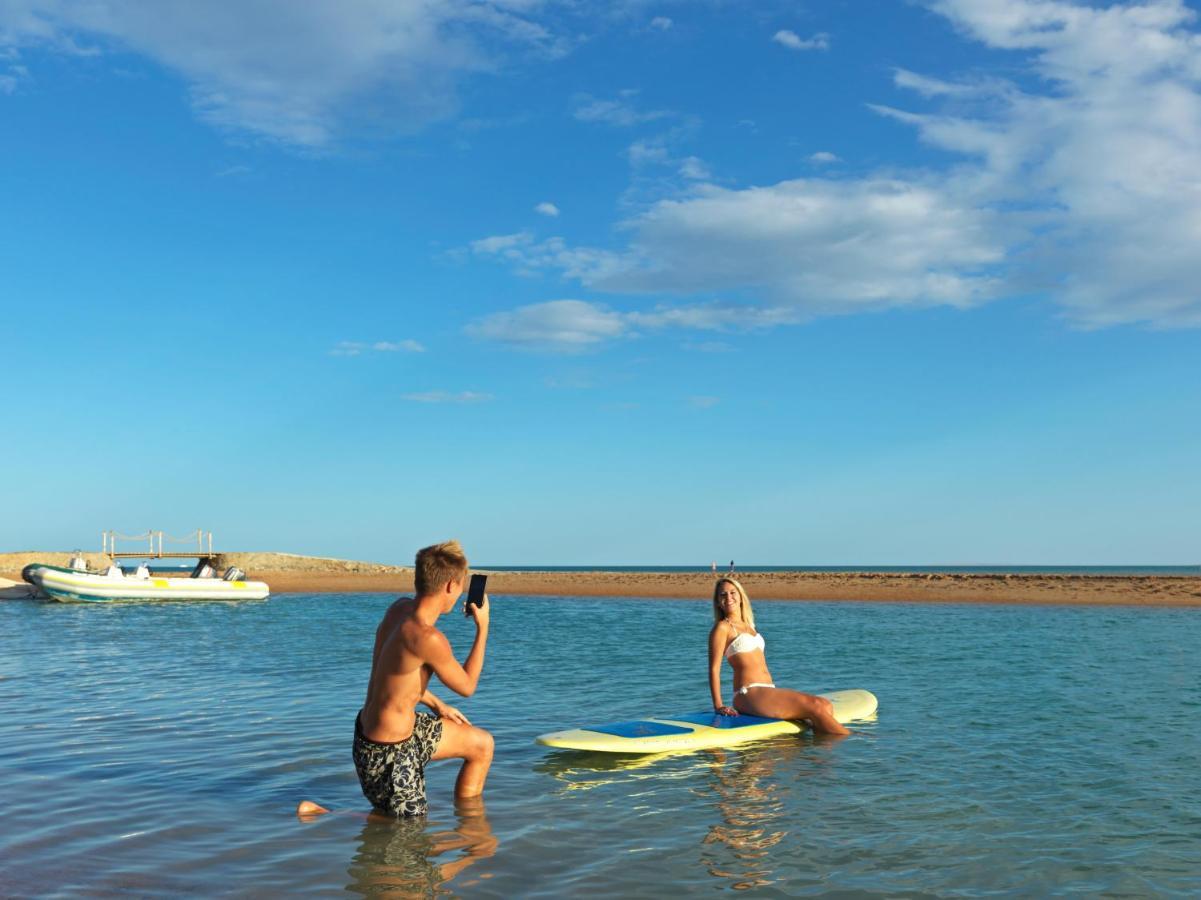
[{"x": 748, "y": 614}]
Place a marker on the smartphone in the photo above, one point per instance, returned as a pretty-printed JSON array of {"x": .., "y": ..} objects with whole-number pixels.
[{"x": 475, "y": 592}]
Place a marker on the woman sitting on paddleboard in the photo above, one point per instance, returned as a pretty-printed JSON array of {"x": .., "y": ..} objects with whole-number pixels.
[{"x": 734, "y": 636}]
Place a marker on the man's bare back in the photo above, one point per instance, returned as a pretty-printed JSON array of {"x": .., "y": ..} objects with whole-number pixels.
[{"x": 399, "y": 675}]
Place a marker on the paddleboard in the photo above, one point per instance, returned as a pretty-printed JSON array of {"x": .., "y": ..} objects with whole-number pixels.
[{"x": 696, "y": 731}]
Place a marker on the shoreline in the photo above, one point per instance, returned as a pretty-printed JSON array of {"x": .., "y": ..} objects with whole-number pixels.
[
  {"x": 290, "y": 573},
  {"x": 1079, "y": 590}
]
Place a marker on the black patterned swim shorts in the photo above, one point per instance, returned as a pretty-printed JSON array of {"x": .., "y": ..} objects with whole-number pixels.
[{"x": 393, "y": 775}]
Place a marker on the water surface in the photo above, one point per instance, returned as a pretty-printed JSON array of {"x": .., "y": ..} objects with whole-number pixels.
[{"x": 161, "y": 748}]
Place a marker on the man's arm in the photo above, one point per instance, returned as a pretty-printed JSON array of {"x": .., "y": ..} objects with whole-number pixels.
[
  {"x": 462, "y": 679},
  {"x": 432, "y": 702},
  {"x": 442, "y": 708}
]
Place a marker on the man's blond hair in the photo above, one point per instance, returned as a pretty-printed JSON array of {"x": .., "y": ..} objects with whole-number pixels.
[{"x": 438, "y": 564}]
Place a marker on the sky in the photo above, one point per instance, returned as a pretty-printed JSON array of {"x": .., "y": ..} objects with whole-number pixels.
[{"x": 633, "y": 282}]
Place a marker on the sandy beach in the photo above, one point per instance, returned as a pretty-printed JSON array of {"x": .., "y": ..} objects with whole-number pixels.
[
  {"x": 851, "y": 586},
  {"x": 290, "y": 573}
]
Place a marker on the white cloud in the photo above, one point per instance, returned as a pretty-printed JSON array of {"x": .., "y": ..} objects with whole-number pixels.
[
  {"x": 694, "y": 169},
  {"x": 618, "y": 113},
  {"x": 547, "y": 209},
  {"x": 358, "y": 348},
  {"x": 14, "y": 72},
  {"x": 570, "y": 326},
  {"x": 406, "y": 346},
  {"x": 792, "y": 41},
  {"x": 287, "y": 71},
  {"x": 501, "y": 243},
  {"x": 1109, "y": 157},
  {"x": 1083, "y": 184},
  {"x": 807, "y": 246},
  {"x": 562, "y": 325},
  {"x": 823, "y": 157},
  {"x": 662, "y": 23},
  {"x": 447, "y": 397},
  {"x": 552, "y": 254}
]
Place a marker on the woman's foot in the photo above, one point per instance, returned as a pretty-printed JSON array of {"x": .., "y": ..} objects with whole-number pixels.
[{"x": 307, "y": 809}]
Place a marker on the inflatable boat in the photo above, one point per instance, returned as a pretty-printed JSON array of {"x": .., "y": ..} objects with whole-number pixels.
[{"x": 74, "y": 584}]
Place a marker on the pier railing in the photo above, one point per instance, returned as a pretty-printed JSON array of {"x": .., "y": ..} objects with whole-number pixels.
[{"x": 155, "y": 545}]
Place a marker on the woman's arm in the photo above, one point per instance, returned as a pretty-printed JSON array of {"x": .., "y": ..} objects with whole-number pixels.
[{"x": 717, "y": 645}]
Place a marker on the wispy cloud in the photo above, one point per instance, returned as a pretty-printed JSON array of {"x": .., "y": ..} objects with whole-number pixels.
[
  {"x": 573, "y": 326},
  {"x": 694, "y": 169},
  {"x": 12, "y": 71},
  {"x": 661, "y": 23},
  {"x": 405, "y": 346},
  {"x": 620, "y": 112},
  {"x": 447, "y": 397},
  {"x": 808, "y": 246},
  {"x": 703, "y": 402},
  {"x": 358, "y": 348},
  {"x": 248, "y": 72},
  {"x": 1082, "y": 184},
  {"x": 547, "y": 209},
  {"x": 823, "y": 158},
  {"x": 558, "y": 325},
  {"x": 793, "y": 41}
]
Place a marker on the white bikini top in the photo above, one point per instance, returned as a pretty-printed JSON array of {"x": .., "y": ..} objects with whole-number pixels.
[{"x": 744, "y": 643}]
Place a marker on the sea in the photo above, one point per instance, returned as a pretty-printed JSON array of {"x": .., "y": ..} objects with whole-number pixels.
[{"x": 160, "y": 749}]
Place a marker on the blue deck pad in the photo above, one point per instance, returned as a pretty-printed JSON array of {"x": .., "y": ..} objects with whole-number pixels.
[
  {"x": 713, "y": 720},
  {"x": 640, "y": 728}
]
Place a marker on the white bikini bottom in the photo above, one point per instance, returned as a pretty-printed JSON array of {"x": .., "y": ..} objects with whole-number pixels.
[{"x": 746, "y": 687}]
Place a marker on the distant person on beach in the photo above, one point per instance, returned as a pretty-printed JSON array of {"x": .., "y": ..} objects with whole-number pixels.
[
  {"x": 392, "y": 740},
  {"x": 755, "y": 694}
]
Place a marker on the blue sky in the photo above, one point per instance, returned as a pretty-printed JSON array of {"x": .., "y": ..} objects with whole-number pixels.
[{"x": 811, "y": 283}]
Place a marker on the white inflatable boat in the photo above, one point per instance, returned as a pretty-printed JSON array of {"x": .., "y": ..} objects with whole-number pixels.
[{"x": 76, "y": 585}]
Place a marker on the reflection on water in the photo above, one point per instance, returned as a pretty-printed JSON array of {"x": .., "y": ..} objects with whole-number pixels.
[
  {"x": 581, "y": 770},
  {"x": 752, "y": 790},
  {"x": 750, "y": 800},
  {"x": 413, "y": 857}
]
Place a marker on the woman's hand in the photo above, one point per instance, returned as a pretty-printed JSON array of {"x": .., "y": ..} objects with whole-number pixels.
[
  {"x": 449, "y": 712},
  {"x": 725, "y": 710}
]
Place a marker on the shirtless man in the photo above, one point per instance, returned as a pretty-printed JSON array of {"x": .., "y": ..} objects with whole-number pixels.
[{"x": 392, "y": 740}]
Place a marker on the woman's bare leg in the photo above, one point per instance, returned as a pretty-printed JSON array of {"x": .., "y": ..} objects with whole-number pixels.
[
  {"x": 781, "y": 703},
  {"x": 308, "y": 808}
]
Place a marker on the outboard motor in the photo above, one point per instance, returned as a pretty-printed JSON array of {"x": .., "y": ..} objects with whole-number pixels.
[
  {"x": 115, "y": 571},
  {"x": 78, "y": 563},
  {"x": 143, "y": 571},
  {"x": 204, "y": 570},
  {"x": 233, "y": 573}
]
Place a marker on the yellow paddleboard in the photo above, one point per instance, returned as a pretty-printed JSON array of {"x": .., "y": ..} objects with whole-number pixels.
[{"x": 695, "y": 731}]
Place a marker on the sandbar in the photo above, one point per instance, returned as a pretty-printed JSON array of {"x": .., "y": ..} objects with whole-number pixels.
[{"x": 291, "y": 573}]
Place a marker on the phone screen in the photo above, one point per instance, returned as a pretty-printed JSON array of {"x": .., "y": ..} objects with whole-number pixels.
[{"x": 475, "y": 591}]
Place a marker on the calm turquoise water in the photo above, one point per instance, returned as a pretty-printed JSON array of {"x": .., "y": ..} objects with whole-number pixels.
[{"x": 160, "y": 749}]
